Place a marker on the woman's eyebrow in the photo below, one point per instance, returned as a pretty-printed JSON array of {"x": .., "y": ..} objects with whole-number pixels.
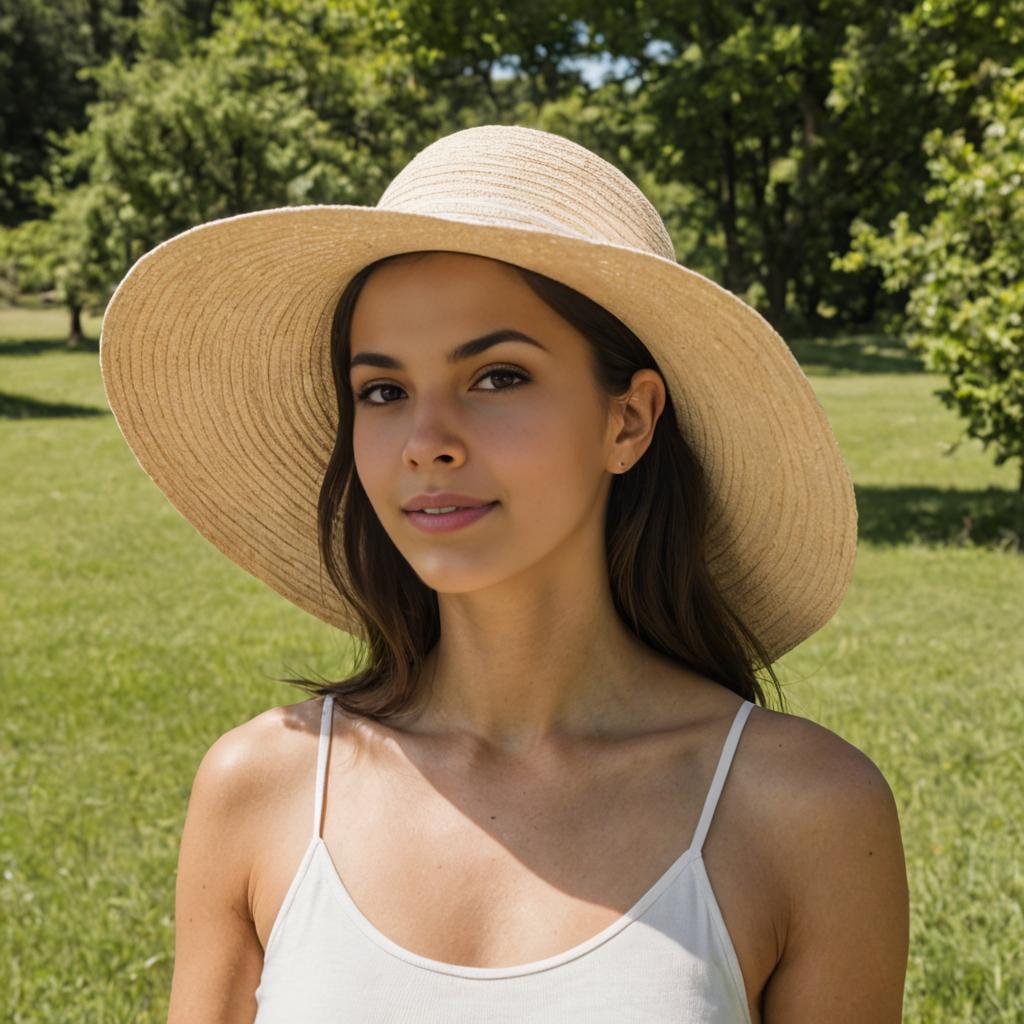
[{"x": 464, "y": 351}]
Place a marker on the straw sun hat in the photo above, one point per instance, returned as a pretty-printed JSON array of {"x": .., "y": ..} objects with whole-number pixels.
[{"x": 215, "y": 355}]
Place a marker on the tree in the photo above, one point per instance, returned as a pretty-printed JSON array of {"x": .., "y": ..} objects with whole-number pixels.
[
  {"x": 494, "y": 60},
  {"x": 785, "y": 120},
  {"x": 45, "y": 45},
  {"x": 167, "y": 147},
  {"x": 288, "y": 104},
  {"x": 68, "y": 252},
  {"x": 962, "y": 268}
]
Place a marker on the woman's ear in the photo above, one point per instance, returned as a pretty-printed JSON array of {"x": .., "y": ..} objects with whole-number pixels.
[{"x": 637, "y": 415}]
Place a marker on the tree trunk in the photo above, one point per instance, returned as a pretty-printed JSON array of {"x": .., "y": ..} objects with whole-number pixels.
[{"x": 75, "y": 335}]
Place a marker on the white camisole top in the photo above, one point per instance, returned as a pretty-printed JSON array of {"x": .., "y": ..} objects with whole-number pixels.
[{"x": 669, "y": 958}]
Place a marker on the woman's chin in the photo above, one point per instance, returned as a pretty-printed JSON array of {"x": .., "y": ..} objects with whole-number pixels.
[{"x": 446, "y": 577}]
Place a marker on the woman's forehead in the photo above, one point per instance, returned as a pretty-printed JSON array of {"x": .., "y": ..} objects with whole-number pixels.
[
  {"x": 455, "y": 272},
  {"x": 449, "y": 303}
]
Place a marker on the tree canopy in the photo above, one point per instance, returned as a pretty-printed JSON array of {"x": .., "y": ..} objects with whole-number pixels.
[{"x": 836, "y": 165}]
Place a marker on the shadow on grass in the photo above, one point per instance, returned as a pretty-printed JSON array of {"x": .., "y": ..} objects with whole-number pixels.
[
  {"x": 23, "y": 407},
  {"x": 862, "y": 353},
  {"x": 934, "y": 515},
  {"x": 45, "y": 346}
]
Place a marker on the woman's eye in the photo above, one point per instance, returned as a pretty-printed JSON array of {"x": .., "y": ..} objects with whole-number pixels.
[
  {"x": 517, "y": 375},
  {"x": 363, "y": 395}
]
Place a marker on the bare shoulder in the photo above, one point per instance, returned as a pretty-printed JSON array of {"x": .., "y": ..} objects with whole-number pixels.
[
  {"x": 245, "y": 766},
  {"x": 218, "y": 955},
  {"x": 810, "y": 764},
  {"x": 242, "y": 755},
  {"x": 829, "y": 823},
  {"x": 250, "y": 766},
  {"x": 817, "y": 790}
]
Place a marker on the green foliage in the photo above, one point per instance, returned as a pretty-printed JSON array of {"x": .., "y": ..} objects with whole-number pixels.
[
  {"x": 767, "y": 134},
  {"x": 284, "y": 104},
  {"x": 962, "y": 269},
  {"x": 167, "y": 29},
  {"x": 352, "y": 63},
  {"x": 168, "y": 146},
  {"x": 494, "y": 61},
  {"x": 190, "y": 141},
  {"x": 67, "y": 253},
  {"x": 788, "y": 122},
  {"x": 46, "y": 48},
  {"x": 765, "y": 128}
]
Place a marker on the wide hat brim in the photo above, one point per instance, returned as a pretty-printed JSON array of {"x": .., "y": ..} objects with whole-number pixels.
[{"x": 215, "y": 357}]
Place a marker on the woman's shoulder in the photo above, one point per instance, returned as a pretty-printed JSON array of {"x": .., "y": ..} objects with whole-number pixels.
[
  {"x": 819, "y": 806},
  {"x": 792, "y": 760},
  {"x": 803, "y": 763},
  {"x": 250, "y": 762},
  {"x": 824, "y": 824},
  {"x": 799, "y": 772},
  {"x": 788, "y": 775}
]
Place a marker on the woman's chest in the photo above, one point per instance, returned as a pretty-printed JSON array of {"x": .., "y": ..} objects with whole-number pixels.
[{"x": 471, "y": 879}]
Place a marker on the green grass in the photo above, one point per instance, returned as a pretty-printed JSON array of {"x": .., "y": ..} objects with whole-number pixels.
[{"x": 129, "y": 644}]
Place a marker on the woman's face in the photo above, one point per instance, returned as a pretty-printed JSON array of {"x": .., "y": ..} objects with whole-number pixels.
[{"x": 518, "y": 423}]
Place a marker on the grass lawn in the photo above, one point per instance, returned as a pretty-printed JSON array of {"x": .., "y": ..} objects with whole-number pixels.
[{"x": 129, "y": 644}]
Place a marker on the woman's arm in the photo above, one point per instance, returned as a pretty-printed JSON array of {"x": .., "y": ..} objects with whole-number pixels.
[
  {"x": 846, "y": 945},
  {"x": 217, "y": 956}
]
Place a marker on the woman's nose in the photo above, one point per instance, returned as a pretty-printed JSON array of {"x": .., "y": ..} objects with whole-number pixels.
[{"x": 432, "y": 434}]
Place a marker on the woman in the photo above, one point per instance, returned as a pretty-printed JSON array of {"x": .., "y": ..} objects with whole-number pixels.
[{"x": 547, "y": 793}]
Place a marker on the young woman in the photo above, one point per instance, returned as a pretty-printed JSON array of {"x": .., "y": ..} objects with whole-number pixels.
[{"x": 571, "y": 497}]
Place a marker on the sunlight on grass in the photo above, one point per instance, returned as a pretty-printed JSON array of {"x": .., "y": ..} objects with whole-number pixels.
[{"x": 131, "y": 644}]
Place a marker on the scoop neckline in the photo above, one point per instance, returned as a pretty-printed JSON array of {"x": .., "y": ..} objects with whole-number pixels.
[{"x": 513, "y": 970}]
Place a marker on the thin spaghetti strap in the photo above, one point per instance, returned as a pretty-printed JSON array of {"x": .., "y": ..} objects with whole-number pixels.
[
  {"x": 718, "y": 781},
  {"x": 321, "y": 763}
]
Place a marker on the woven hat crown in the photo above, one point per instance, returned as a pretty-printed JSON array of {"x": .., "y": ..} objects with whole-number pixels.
[{"x": 513, "y": 176}]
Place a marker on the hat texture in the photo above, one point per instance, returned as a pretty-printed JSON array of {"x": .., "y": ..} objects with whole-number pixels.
[{"x": 215, "y": 356}]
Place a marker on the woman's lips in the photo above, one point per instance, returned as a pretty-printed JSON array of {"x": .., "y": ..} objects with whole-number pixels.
[{"x": 445, "y": 522}]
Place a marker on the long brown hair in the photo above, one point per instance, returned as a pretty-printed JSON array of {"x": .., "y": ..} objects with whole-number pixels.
[{"x": 654, "y": 540}]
